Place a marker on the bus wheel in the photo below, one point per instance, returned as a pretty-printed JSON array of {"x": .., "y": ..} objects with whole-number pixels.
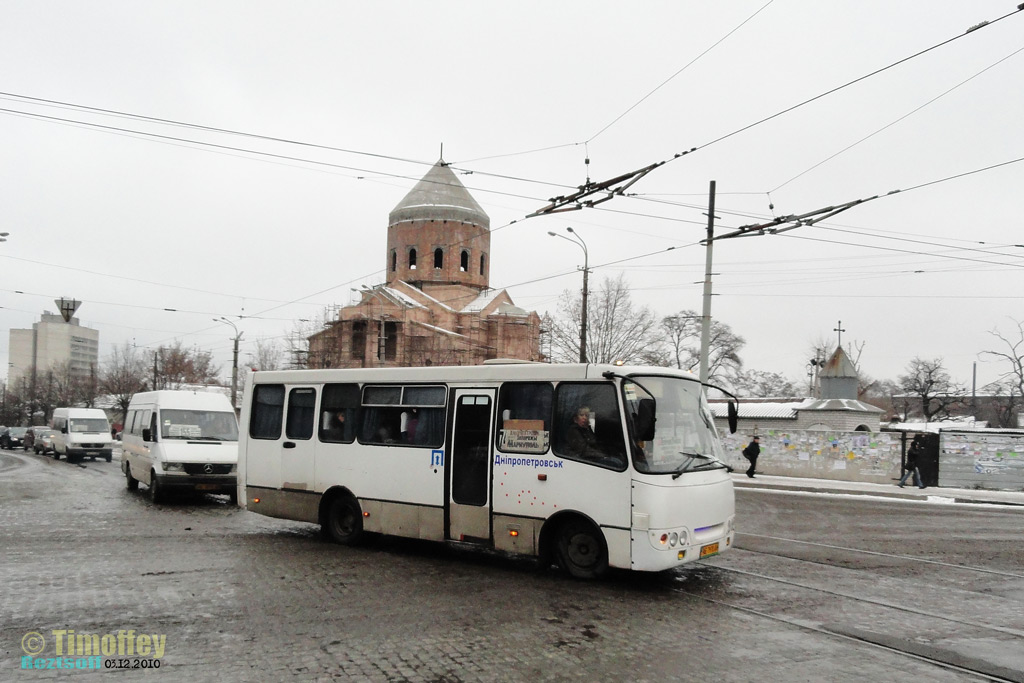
[
  {"x": 581, "y": 550},
  {"x": 131, "y": 482},
  {"x": 344, "y": 521},
  {"x": 233, "y": 497},
  {"x": 156, "y": 492}
]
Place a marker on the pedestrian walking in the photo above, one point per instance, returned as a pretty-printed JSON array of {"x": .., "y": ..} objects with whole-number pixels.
[
  {"x": 914, "y": 454},
  {"x": 751, "y": 452}
]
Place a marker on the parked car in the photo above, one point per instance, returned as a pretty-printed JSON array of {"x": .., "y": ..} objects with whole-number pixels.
[
  {"x": 13, "y": 438},
  {"x": 31, "y": 436},
  {"x": 43, "y": 440}
]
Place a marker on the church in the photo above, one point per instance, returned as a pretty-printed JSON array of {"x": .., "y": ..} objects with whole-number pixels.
[{"x": 436, "y": 306}]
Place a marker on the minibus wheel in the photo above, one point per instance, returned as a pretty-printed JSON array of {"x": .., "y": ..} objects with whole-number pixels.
[
  {"x": 131, "y": 482},
  {"x": 156, "y": 492},
  {"x": 581, "y": 550},
  {"x": 343, "y": 522}
]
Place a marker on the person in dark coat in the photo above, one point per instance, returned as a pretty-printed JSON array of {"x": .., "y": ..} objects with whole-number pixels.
[
  {"x": 580, "y": 438},
  {"x": 751, "y": 452},
  {"x": 914, "y": 454}
]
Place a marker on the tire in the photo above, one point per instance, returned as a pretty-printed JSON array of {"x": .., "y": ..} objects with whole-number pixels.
[
  {"x": 581, "y": 550},
  {"x": 131, "y": 482},
  {"x": 233, "y": 497},
  {"x": 110, "y": 458},
  {"x": 344, "y": 521},
  {"x": 56, "y": 455},
  {"x": 156, "y": 491}
]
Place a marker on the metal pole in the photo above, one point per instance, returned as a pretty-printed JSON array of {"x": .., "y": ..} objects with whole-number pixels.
[
  {"x": 583, "y": 313},
  {"x": 586, "y": 272},
  {"x": 705, "y": 318},
  {"x": 234, "y": 376}
]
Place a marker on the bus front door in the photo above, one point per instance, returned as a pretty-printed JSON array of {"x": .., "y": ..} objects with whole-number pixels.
[{"x": 469, "y": 504}]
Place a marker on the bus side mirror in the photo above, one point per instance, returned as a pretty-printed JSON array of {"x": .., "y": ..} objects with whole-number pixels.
[
  {"x": 734, "y": 415},
  {"x": 63, "y": 430},
  {"x": 644, "y": 420},
  {"x": 147, "y": 435}
]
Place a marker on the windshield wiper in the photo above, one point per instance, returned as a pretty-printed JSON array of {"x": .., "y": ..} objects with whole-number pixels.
[{"x": 686, "y": 465}]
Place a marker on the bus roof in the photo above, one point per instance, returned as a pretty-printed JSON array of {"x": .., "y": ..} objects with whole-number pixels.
[{"x": 488, "y": 372}]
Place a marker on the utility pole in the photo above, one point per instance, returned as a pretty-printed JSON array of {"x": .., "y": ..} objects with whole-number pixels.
[
  {"x": 578, "y": 241},
  {"x": 705, "y": 318},
  {"x": 234, "y": 362}
]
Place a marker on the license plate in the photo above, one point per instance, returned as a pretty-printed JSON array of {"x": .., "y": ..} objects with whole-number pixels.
[
  {"x": 92, "y": 452},
  {"x": 709, "y": 550},
  {"x": 206, "y": 487}
]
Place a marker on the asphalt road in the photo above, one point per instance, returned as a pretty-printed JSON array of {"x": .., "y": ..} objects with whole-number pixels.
[{"x": 818, "y": 588}]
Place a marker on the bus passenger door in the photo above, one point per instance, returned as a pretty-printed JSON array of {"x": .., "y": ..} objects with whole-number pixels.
[
  {"x": 297, "y": 449},
  {"x": 469, "y": 495}
]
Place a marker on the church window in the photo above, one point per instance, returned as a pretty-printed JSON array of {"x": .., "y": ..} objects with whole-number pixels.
[
  {"x": 482, "y": 260},
  {"x": 412, "y": 259},
  {"x": 394, "y": 260},
  {"x": 438, "y": 258},
  {"x": 464, "y": 264}
]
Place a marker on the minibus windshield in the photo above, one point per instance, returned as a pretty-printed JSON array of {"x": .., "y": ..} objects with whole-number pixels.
[
  {"x": 198, "y": 425},
  {"x": 684, "y": 438},
  {"x": 88, "y": 424}
]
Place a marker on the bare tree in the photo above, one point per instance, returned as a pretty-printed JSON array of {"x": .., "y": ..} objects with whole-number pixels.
[
  {"x": 268, "y": 355},
  {"x": 931, "y": 385},
  {"x": 1013, "y": 356},
  {"x": 617, "y": 330},
  {"x": 177, "y": 366},
  {"x": 123, "y": 375},
  {"x": 682, "y": 333},
  {"x": 762, "y": 384}
]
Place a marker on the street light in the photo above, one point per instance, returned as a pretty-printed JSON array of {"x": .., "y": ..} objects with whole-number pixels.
[
  {"x": 586, "y": 271},
  {"x": 234, "y": 363}
]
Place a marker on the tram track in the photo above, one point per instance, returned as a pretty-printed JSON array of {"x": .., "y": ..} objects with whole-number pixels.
[
  {"x": 951, "y": 623},
  {"x": 973, "y": 667},
  {"x": 909, "y": 558}
]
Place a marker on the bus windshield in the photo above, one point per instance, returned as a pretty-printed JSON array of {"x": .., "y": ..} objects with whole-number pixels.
[
  {"x": 198, "y": 425},
  {"x": 685, "y": 439}
]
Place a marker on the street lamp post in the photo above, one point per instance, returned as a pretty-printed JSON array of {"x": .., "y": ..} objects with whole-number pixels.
[
  {"x": 586, "y": 272},
  {"x": 234, "y": 362}
]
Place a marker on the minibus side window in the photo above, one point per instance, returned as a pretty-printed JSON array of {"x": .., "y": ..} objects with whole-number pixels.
[
  {"x": 524, "y": 423},
  {"x": 301, "y": 404},
  {"x": 588, "y": 425},
  {"x": 267, "y": 411},
  {"x": 339, "y": 410}
]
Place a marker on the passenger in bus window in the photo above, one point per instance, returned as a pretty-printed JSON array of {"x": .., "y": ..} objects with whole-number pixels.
[
  {"x": 410, "y": 420},
  {"x": 580, "y": 439},
  {"x": 335, "y": 427}
]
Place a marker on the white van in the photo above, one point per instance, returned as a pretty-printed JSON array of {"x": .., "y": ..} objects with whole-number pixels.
[
  {"x": 81, "y": 432},
  {"x": 180, "y": 440}
]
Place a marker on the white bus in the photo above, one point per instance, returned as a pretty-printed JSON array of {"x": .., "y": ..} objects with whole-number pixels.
[{"x": 591, "y": 466}]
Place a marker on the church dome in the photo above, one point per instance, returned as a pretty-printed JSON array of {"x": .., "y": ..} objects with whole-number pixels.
[{"x": 439, "y": 195}]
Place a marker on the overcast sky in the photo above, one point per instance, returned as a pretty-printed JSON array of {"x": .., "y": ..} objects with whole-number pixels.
[{"x": 134, "y": 216}]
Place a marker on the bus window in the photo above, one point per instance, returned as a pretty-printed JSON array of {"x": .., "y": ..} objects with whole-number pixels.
[
  {"x": 525, "y": 422},
  {"x": 267, "y": 411},
  {"x": 397, "y": 415},
  {"x": 339, "y": 407},
  {"x": 301, "y": 404},
  {"x": 587, "y": 424}
]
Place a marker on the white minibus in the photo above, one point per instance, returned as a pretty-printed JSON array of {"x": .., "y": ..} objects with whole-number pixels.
[
  {"x": 592, "y": 466},
  {"x": 80, "y": 433},
  {"x": 180, "y": 441}
]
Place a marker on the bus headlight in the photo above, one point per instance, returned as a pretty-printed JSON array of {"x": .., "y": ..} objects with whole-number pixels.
[
  {"x": 673, "y": 538},
  {"x": 173, "y": 467}
]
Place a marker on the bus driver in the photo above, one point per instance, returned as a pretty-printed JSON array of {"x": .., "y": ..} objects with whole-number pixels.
[{"x": 580, "y": 439}]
